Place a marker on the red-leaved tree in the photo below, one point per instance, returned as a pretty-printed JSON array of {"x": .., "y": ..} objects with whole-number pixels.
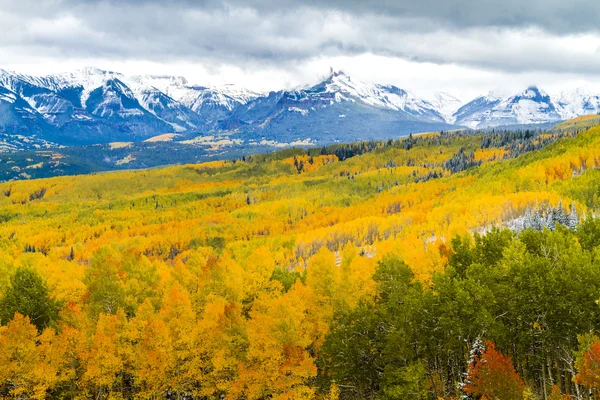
[
  {"x": 588, "y": 362},
  {"x": 491, "y": 375}
]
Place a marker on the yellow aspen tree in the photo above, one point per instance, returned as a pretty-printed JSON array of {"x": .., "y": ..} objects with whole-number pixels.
[
  {"x": 18, "y": 357},
  {"x": 105, "y": 364},
  {"x": 277, "y": 363},
  {"x": 219, "y": 347},
  {"x": 153, "y": 353},
  {"x": 71, "y": 346},
  {"x": 180, "y": 319},
  {"x": 258, "y": 271}
]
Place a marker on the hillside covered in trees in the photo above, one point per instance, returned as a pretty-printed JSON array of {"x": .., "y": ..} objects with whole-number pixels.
[{"x": 447, "y": 265}]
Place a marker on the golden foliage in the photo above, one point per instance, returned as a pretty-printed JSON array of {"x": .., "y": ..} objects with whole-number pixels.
[{"x": 220, "y": 280}]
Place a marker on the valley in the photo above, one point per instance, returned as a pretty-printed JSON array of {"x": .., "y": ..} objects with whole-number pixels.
[
  {"x": 299, "y": 200},
  {"x": 69, "y": 123},
  {"x": 260, "y": 275}
]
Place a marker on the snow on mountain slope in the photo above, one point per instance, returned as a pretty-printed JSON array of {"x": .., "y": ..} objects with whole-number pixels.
[
  {"x": 91, "y": 95},
  {"x": 149, "y": 97},
  {"x": 531, "y": 106},
  {"x": 344, "y": 88},
  {"x": 193, "y": 97},
  {"x": 113, "y": 100},
  {"x": 337, "y": 109},
  {"x": 31, "y": 90},
  {"x": 162, "y": 105},
  {"x": 447, "y": 105},
  {"x": 7, "y": 96},
  {"x": 18, "y": 118},
  {"x": 340, "y": 89},
  {"x": 90, "y": 99},
  {"x": 85, "y": 106},
  {"x": 209, "y": 104},
  {"x": 56, "y": 96},
  {"x": 88, "y": 78},
  {"x": 578, "y": 102},
  {"x": 228, "y": 96},
  {"x": 138, "y": 93},
  {"x": 91, "y": 105}
]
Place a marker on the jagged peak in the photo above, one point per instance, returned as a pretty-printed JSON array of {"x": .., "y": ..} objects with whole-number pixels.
[
  {"x": 336, "y": 73},
  {"x": 532, "y": 91},
  {"x": 581, "y": 91},
  {"x": 337, "y": 86},
  {"x": 6, "y": 73},
  {"x": 497, "y": 94},
  {"x": 333, "y": 77},
  {"x": 502, "y": 94},
  {"x": 87, "y": 77},
  {"x": 160, "y": 80}
]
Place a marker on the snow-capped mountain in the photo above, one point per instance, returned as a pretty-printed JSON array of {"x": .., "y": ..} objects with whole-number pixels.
[
  {"x": 210, "y": 103},
  {"x": 139, "y": 95},
  {"x": 340, "y": 89},
  {"x": 531, "y": 106},
  {"x": 580, "y": 101},
  {"x": 96, "y": 106},
  {"x": 335, "y": 109},
  {"x": 343, "y": 88},
  {"x": 18, "y": 117},
  {"x": 90, "y": 105},
  {"x": 446, "y": 104}
]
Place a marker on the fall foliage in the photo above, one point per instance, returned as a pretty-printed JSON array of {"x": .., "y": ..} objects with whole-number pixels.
[
  {"x": 491, "y": 375},
  {"x": 352, "y": 271}
]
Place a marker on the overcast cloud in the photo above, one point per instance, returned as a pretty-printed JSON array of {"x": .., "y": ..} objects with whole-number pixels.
[{"x": 470, "y": 46}]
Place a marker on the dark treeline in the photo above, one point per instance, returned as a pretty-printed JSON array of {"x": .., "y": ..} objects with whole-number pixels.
[
  {"x": 520, "y": 142},
  {"x": 532, "y": 294},
  {"x": 515, "y": 142},
  {"x": 461, "y": 161}
]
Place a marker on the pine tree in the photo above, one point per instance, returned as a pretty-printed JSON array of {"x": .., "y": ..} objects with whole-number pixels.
[
  {"x": 537, "y": 223},
  {"x": 561, "y": 216},
  {"x": 550, "y": 219},
  {"x": 573, "y": 219},
  {"x": 477, "y": 349},
  {"x": 528, "y": 219},
  {"x": 29, "y": 295}
]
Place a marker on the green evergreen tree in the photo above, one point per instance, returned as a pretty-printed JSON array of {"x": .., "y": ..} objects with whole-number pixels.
[{"x": 28, "y": 295}]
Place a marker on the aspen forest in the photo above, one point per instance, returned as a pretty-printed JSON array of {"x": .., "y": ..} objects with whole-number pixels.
[{"x": 448, "y": 265}]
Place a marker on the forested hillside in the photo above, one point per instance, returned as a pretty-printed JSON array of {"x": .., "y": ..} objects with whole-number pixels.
[{"x": 447, "y": 265}]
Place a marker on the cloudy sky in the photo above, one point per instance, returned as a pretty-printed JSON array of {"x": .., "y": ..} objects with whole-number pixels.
[{"x": 464, "y": 47}]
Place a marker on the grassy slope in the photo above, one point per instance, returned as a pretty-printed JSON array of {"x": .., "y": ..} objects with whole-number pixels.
[{"x": 583, "y": 122}]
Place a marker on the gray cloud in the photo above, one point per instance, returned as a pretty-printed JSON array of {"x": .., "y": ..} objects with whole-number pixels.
[
  {"x": 558, "y": 16},
  {"x": 512, "y": 35}
]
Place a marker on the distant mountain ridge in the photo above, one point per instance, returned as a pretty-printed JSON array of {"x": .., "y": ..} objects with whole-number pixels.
[
  {"x": 530, "y": 106},
  {"x": 337, "y": 108},
  {"x": 90, "y": 106}
]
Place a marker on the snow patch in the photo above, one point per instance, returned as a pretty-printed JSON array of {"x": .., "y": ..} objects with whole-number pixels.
[{"x": 298, "y": 110}]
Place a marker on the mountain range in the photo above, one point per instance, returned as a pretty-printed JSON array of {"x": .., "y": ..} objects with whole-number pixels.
[{"x": 92, "y": 106}]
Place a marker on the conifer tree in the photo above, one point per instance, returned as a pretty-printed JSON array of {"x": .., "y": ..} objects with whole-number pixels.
[{"x": 29, "y": 295}]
